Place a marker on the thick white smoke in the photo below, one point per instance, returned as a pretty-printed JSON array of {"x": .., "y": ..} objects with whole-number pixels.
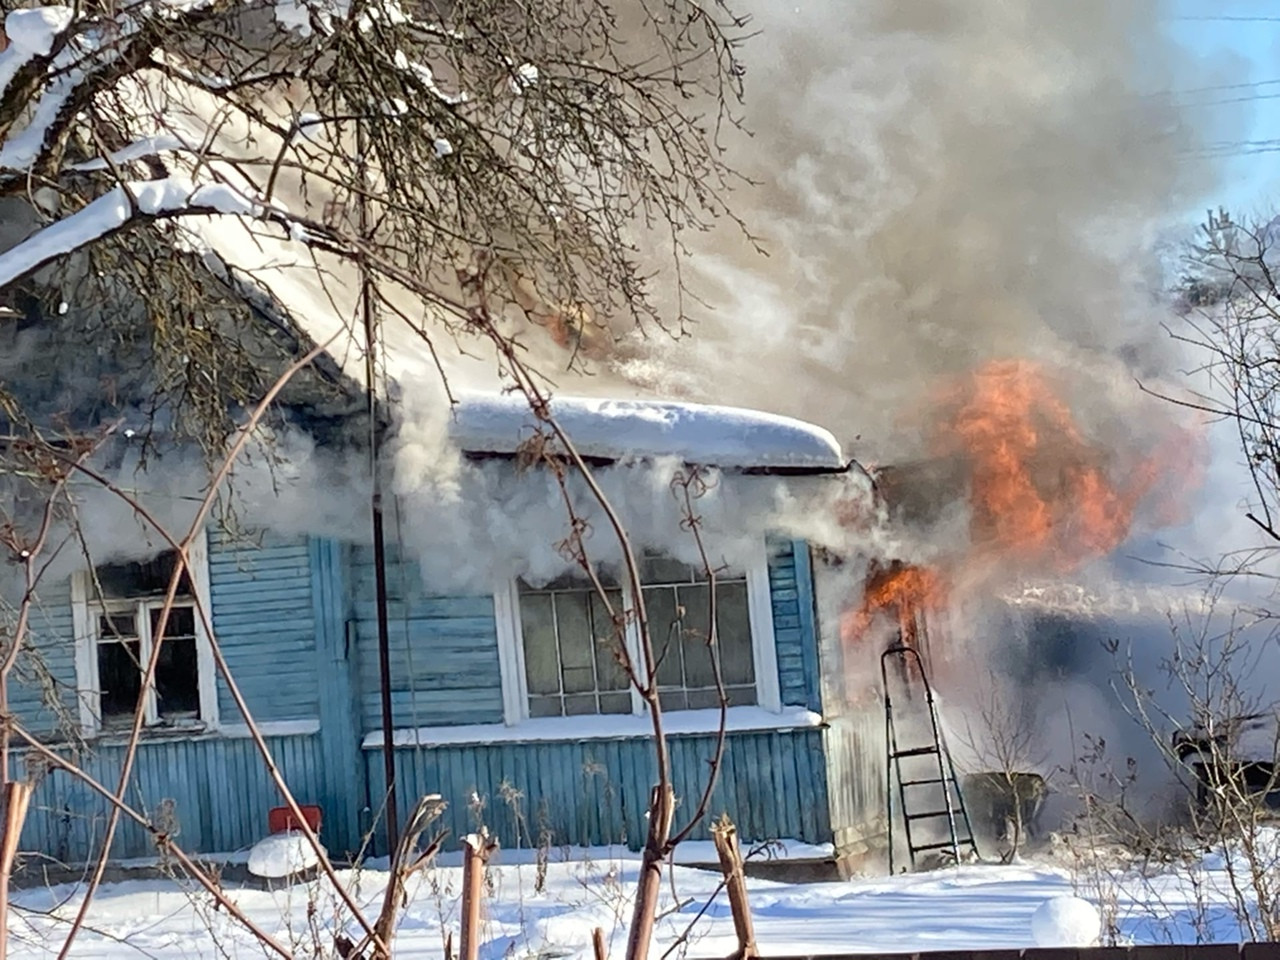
[{"x": 942, "y": 183}]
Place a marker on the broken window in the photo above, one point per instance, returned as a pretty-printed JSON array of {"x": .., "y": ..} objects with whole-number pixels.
[
  {"x": 572, "y": 647},
  {"x": 126, "y": 603}
]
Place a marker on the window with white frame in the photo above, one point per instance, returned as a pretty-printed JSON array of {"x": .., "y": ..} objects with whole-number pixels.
[
  {"x": 571, "y": 651},
  {"x": 118, "y": 610},
  {"x": 677, "y": 600},
  {"x": 562, "y": 649}
]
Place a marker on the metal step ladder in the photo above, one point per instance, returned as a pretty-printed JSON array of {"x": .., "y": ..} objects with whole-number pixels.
[{"x": 959, "y": 834}]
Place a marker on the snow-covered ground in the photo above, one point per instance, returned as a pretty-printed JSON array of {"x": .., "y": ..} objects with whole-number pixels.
[{"x": 970, "y": 907}]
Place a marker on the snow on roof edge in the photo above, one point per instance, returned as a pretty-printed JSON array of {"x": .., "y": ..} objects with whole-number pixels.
[{"x": 625, "y": 429}]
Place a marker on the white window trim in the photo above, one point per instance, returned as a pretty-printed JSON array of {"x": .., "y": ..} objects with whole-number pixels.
[
  {"x": 515, "y": 689},
  {"x": 88, "y": 687}
]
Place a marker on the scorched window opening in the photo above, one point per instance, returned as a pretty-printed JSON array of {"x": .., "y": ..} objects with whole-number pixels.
[{"x": 126, "y": 605}]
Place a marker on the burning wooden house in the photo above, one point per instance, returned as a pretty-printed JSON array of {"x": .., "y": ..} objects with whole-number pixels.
[{"x": 498, "y": 696}]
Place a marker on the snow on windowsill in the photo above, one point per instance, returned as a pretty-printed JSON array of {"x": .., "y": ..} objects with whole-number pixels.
[{"x": 607, "y": 727}]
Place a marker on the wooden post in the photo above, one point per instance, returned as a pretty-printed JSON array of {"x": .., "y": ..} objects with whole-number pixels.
[
  {"x": 16, "y": 798},
  {"x": 597, "y": 942},
  {"x": 725, "y": 836},
  {"x": 476, "y": 850}
]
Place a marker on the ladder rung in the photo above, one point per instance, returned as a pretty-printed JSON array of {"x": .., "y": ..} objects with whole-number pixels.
[
  {"x": 923, "y": 783},
  {"x": 945, "y": 845},
  {"x": 931, "y": 813},
  {"x": 914, "y": 752}
]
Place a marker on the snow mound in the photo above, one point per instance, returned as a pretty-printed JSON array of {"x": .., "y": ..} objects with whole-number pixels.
[
  {"x": 1066, "y": 922},
  {"x": 281, "y": 855},
  {"x": 32, "y": 32},
  {"x": 629, "y": 429}
]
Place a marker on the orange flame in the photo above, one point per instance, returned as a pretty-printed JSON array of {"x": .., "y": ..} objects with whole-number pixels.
[
  {"x": 1041, "y": 496},
  {"x": 1039, "y": 492},
  {"x": 901, "y": 593}
]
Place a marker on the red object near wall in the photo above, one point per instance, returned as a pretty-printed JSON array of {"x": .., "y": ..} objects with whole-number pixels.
[{"x": 280, "y": 819}]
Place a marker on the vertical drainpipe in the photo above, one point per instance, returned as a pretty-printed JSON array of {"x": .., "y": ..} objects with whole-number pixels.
[{"x": 379, "y": 538}]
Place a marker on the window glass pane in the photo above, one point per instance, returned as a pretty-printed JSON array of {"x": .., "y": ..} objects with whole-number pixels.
[
  {"x": 181, "y": 622},
  {"x": 579, "y": 679},
  {"x": 579, "y": 704},
  {"x": 687, "y": 677},
  {"x": 177, "y": 687},
  {"x": 741, "y": 696},
  {"x": 733, "y": 623},
  {"x": 115, "y": 626},
  {"x": 119, "y": 677},
  {"x": 698, "y": 671},
  {"x": 705, "y": 699},
  {"x": 610, "y": 674},
  {"x": 570, "y": 649},
  {"x": 544, "y": 706},
  {"x": 541, "y": 663},
  {"x": 577, "y": 644},
  {"x": 664, "y": 629},
  {"x": 146, "y": 578},
  {"x": 673, "y": 700},
  {"x": 615, "y": 703}
]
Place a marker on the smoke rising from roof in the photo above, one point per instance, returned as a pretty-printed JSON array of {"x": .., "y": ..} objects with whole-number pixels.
[{"x": 942, "y": 183}]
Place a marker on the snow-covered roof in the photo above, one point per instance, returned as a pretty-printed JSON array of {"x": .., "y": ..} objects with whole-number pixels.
[
  {"x": 258, "y": 245},
  {"x": 623, "y": 429}
]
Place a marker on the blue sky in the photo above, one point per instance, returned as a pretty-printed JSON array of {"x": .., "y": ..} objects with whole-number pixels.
[{"x": 1222, "y": 38}]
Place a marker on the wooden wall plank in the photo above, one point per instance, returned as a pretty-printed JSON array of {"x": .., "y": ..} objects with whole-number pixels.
[
  {"x": 219, "y": 788},
  {"x": 595, "y": 791}
]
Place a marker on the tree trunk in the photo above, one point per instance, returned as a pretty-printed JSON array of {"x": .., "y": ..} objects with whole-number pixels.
[
  {"x": 16, "y": 797},
  {"x": 662, "y": 808}
]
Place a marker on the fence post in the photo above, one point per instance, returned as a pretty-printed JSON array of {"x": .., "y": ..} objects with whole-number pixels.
[
  {"x": 725, "y": 836},
  {"x": 476, "y": 850}
]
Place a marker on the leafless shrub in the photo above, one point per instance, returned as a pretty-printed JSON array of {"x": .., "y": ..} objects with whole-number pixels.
[{"x": 1004, "y": 788}]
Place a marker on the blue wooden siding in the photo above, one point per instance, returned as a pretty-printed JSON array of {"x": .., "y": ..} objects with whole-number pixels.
[
  {"x": 339, "y": 724},
  {"x": 292, "y": 613},
  {"x": 264, "y": 618},
  {"x": 595, "y": 792},
  {"x": 266, "y": 610},
  {"x": 219, "y": 790},
  {"x": 43, "y": 695},
  {"x": 791, "y": 591},
  {"x": 444, "y": 650}
]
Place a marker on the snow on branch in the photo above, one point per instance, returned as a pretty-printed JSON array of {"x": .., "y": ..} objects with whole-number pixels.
[
  {"x": 150, "y": 199},
  {"x": 138, "y": 150},
  {"x": 31, "y": 34},
  {"x": 37, "y": 31}
]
